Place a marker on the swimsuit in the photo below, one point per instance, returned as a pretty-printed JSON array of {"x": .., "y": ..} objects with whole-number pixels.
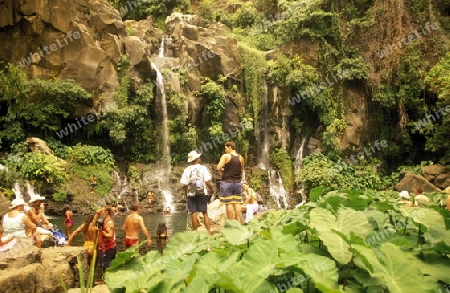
[
  {"x": 131, "y": 242},
  {"x": 89, "y": 245},
  {"x": 69, "y": 221}
]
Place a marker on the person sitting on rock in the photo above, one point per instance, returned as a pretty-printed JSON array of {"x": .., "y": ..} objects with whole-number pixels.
[
  {"x": 36, "y": 215},
  {"x": 6, "y": 240},
  {"x": 250, "y": 206},
  {"x": 15, "y": 222},
  {"x": 404, "y": 199},
  {"x": 419, "y": 198}
]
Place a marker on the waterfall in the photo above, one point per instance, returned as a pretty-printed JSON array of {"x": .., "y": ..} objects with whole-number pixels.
[
  {"x": 277, "y": 190},
  {"x": 264, "y": 134},
  {"x": 299, "y": 157},
  {"x": 16, "y": 190},
  {"x": 161, "y": 47},
  {"x": 162, "y": 97},
  {"x": 30, "y": 190},
  {"x": 164, "y": 181}
]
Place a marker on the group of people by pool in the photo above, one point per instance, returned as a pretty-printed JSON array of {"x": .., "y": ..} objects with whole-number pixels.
[
  {"x": 240, "y": 200},
  {"x": 99, "y": 227}
]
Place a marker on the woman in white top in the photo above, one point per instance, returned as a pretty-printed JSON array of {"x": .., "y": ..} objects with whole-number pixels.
[
  {"x": 251, "y": 203},
  {"x": 15, "y": 221}
]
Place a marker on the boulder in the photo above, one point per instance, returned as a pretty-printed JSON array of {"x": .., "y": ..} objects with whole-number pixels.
[
  {"x": 4, "y": 204},
  {"x": 408, "y": 180},
  {"x": 26, "y": 268},
  {"x": 37, "y": 145},
  {"x": 437, "y": 174}
]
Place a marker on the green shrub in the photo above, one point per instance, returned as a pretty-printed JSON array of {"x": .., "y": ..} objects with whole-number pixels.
[
  {"x": 38, "y": 167},
  {"x": 90, "y": 155},
  {"x": 102, "y": 172},
  {"x": 60, "y": 195},
  {"x": 60, "y": 150}
]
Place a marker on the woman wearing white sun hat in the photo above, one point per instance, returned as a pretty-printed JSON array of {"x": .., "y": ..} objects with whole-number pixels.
[
  {"x": 404, "y": 198},
  {"x": 15, "y": 222}
]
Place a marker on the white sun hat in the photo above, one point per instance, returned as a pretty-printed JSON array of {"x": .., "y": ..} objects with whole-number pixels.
[
  {"x": 16, "y": 202},
  {"x": 35, "y": 198},
  {"x": 404, "y": 194},
  {"x": 193, "y": 155}
]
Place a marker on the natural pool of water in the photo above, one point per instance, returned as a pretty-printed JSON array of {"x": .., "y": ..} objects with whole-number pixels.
[{"x": 175, "y": 222}]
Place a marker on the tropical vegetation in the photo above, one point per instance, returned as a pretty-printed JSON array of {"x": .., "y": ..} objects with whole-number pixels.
[{"x": 341, "y": 241}]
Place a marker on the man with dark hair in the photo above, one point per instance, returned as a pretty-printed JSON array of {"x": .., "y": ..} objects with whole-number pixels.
[
  {"x": 231, "y": 166},
  {"x": 133, "y": 223},
  {"x": 197, "y": 185},
  {"x": 107, "y": 236}
]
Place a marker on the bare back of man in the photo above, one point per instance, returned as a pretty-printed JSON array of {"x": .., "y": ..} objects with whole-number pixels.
[{"x": 133, "y": 224}]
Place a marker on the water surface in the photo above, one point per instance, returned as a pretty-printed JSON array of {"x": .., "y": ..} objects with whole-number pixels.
[{"x": 175, "y": 222}]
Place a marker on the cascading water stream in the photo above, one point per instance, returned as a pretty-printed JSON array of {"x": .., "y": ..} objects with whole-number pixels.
[
  {"x": 277, "y": 190},
  {"x": 164, "y": 182},
  {"x": 161, "y": 47},
  {"x": 264, "y": 134},
  {"x": 16, "y": 190},
  {"x": 299, "y": 157}
]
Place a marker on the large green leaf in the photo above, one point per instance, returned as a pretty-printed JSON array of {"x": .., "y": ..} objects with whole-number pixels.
[
  {"x": 435, "y": 265},
  {"x": 391, "y": 268},
  {"x": 285, "y": 242},
  {"x": 235, "y": 233},
  {"x": 140, "y": 272},
  {"x": 432, "y": 220},
  {"x": 347, "y": 221},
  {"x": 261, "y": 258},
  {"x": 240, "y": 280},
  {"x": 315, "y": 193},
  {"x": 177, "y": 270},
  {"x": 187, "y": 242},
  {"x": 249, "y": 275},
  {"x": 320, "y": 268},
  {"x": 206, "y": 270},
  {"x": 377, "y": 218}
]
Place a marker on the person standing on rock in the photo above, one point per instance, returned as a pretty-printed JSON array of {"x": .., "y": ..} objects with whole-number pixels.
[
  {"x": 231, "y": 166},
  {"x": 197, "y": 185}
]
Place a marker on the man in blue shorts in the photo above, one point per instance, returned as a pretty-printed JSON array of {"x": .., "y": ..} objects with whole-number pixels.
[
  {"x": 197, "y": 185},
  {"x": 231, "y": 166}
]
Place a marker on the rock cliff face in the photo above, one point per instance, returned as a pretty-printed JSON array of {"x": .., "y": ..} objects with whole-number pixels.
[
  {"x": 70, "y": 39},
  {"x": 83, "y": 40}
]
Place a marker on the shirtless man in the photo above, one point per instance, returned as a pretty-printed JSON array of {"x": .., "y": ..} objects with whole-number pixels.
[{"x": 132, "y": 224}]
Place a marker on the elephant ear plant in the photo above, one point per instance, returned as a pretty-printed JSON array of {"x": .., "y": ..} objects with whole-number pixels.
[{"x": 343, "y": 240}]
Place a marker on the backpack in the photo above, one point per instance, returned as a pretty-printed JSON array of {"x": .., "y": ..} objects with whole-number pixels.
[{"x": 195, "y": 185}]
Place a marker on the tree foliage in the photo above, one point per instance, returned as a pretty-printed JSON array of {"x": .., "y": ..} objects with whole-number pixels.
[{"x": 35, "y": 105}]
